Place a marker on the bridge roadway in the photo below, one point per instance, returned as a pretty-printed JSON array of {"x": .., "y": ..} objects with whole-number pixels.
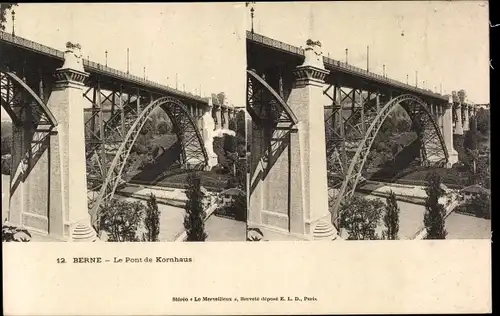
[
  {"x": 264, "y": 52},
  {"x": 26, "y": 54}
]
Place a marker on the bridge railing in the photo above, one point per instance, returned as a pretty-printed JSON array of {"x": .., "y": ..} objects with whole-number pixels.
[
  {"x": 54, "y": 53},
  {"x": 342, "y": 66}
]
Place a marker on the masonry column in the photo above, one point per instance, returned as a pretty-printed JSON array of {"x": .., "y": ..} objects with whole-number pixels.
[
  {"x": 208, "y": 127},
  {"x": 309, "y": 212},
  {"x": 69, "y": 197},
  {"x": 458, "y": 112},
  {"x": 224, "y": 118},
  {"x": 216, "y": 116},
  {"x": 448, "y": 133}
]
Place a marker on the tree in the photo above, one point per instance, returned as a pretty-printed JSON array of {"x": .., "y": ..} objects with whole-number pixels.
[
  {"x": 163, "y": 127},
  {"x": 6, "y": 144},
  {"x": 229, "y": 144},
  {"x": 4, "y": 7},
  {"x": 152, "y": 220},
  {"x": 360, "y": 217},
  {"x": 120, "y": 220},
  {"x": 241, "y": 124},
  {"x": 480, "y": 205},
  {"x": 483, "y": 121},
  {"x": 391, "y": 218},
  {"x": 232, "y": 124},
  {"x": 147, "y": 128},
  {"x": 194, "y": 220},
  {"x": 240, "y": 207},
  {"x": 434, "y": 217}
]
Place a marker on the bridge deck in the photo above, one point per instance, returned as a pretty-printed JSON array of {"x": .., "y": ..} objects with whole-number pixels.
[
  {"x": 104, "y": 72},
  {"x": 280, "y": 53}
]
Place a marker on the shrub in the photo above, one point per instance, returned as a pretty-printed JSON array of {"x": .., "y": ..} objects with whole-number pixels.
[
  {"x": 121, "y": 219},
  {"x": 11, "y": 233},
  {"x": 360, "y": 217}
]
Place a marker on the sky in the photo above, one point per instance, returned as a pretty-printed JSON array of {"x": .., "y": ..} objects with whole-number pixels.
[
  {"x": 204, "y": 44},
  {"x": 447, "y": 42}
]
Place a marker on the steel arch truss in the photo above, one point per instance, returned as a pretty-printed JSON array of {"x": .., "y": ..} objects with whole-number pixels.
[
  {"x": 272, "y": 122},
  {"x": 433, "y": 148},
  {"x": 265, "y": 105},
  {"x": 33, "y": 123},
  {"x": 193, "y": 155}
]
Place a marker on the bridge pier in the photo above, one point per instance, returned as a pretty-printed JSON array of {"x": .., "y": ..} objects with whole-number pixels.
[
  {"x": 208, "y": 128},
  {"x": 448, "y": 133},
  {"x": 291, "y": 197},
  {"x": 458, "y": 112},
  {"x": 224, "y": 118},
  {"x": 51, "y": 197},
  {"x": 217, "y": 116}
]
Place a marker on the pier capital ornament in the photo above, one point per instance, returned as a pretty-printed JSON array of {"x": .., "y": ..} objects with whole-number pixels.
[{"x": 72, "y": 69}]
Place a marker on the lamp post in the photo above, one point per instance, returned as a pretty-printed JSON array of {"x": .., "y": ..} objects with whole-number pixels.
[
  {"x": 106, "y": 53},
  {"x": 346, "y": 56},
  {"x": 367, "y": 58},
  {"x": 383, "y": 67},
  {"x": 128, "y": 61}
]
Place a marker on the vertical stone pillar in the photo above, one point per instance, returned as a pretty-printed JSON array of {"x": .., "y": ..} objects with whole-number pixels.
[
  {"x": 218, "y": 117},
  {"x": 68, "y": 212},
  {"x": 458, "y": 112},
  {"x": 448, "y": 133},
  {"x": 309, "y": 213},
  {"x": 225, "y": 114},
  {"x": 208, "y": 127},
  {"x": 465, "y": 107}
]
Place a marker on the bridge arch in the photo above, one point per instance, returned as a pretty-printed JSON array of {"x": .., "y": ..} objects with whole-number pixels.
[
  {"x": 433, "y": 147},
  {"x": 193, "y": 152}
]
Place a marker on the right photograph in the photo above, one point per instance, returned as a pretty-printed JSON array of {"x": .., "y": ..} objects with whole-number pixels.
[{"x": 368, "y": 122}]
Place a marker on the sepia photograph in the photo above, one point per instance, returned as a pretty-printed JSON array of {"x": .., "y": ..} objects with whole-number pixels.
[
  {"x": 166, "y": 139},
  {"x": 125, "y": 130},
  {"x": 368, "y": 123}
]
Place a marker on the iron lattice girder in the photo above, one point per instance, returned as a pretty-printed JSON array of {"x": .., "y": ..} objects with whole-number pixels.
[
  {"x": 264, "y": 104},
  {"x": 27, "y": 111},
  {"x": 432, "y": 141},
  {"x": 189, "y": 136}
]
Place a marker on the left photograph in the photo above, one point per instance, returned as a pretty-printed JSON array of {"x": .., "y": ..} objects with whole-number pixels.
[{"x": 123, "y": 122}]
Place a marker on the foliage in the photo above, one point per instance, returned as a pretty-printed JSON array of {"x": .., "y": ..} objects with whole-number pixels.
[
  {"x": 254, "y": 234},
  {"x": 434, "y": 217},
  {"x": 6, "y": 165},
  {"x": 360, "y": 217},
  {"x": 229, "y": 145},
  {"x": 152, "y": 220},
  {"x": 483, "y": 121},
  {"x": 480, "y": 205},
  {"x": 17, "y": 234},
  {"x": 6, "y": 144},
  {"x": 194, "y": 220},
  {"x": 121, "y": 219},
  {"x": 4, "y": 7},
  {"x": 232, "y": 124},
  {"x": 147, "y": 128},
  {"x": 163, "y": 127},
  {"x": 240, "y": 124},
  {"x": 391, "y": 218}
]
